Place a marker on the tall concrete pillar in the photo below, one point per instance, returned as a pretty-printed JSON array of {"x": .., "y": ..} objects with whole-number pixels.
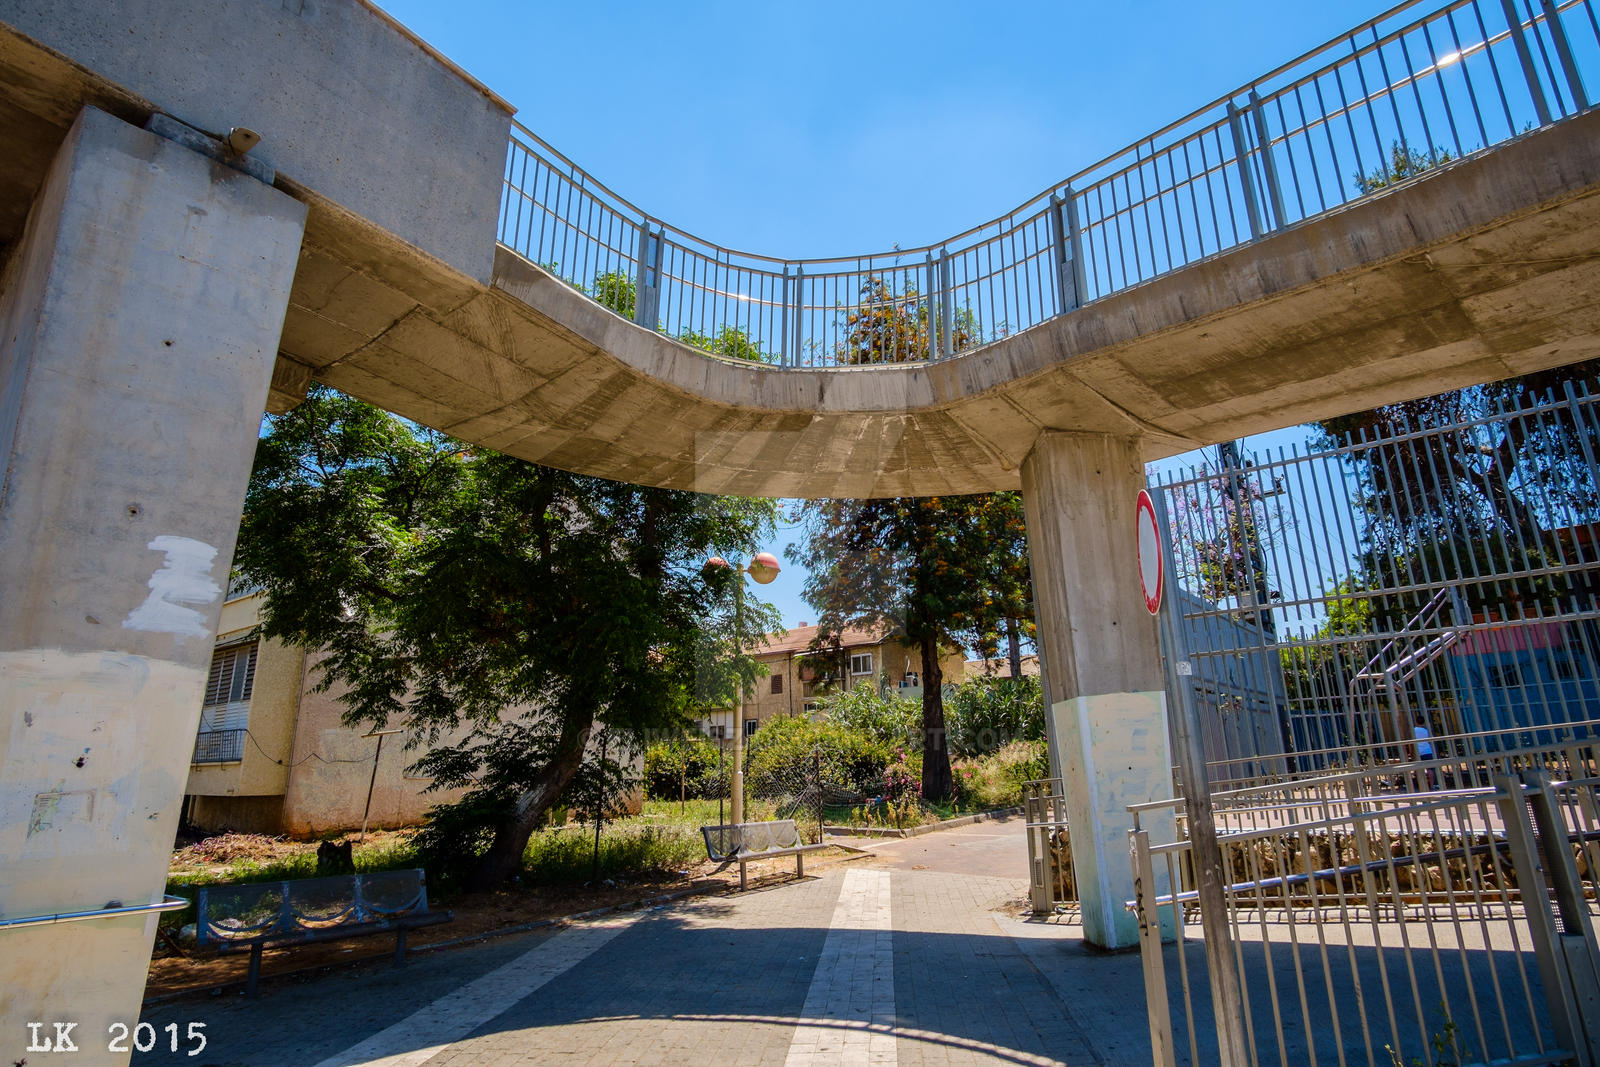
[
  {"x": 139, "y": 320},
  {"x": 1101, "y": 658}
]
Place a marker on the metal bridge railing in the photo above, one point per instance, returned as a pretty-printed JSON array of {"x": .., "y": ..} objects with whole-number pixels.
[{"x": 1424, "y": 83}]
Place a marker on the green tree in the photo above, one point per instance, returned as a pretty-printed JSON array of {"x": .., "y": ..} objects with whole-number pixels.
[
  {"x": 510, "y": 608},
  {"x": 911, "y": 566},
  {"x": 1403, "y": 162},
  {"x": 937, "y": 571}
]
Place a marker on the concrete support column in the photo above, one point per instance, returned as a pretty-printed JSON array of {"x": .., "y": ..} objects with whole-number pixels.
[
  {"x": 139, "y": 320},
  {"x": 1101, "y": 659}
]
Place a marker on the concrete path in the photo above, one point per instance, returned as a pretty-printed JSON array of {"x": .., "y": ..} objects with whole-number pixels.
[
  {"x": 994, "y": 848},
  {"x": 873, "y": 962}
]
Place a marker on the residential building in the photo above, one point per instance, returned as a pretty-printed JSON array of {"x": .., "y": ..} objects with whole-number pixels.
[
  {"x": 793, "y": 683},
  {"x": 273, "y": 756}
]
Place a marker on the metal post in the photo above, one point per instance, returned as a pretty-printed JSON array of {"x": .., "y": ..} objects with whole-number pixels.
[
  {"x": 946, "y": 311},
  {"x": 1531, "y": 74},
  {"x": 1576, "y": 938},
  {"x": 1558, "y": 34},
  {"x": 1066, "y": 299},
  {"x": 1206, "y": 855},
  {"x": 930, "y": 305},
  {"x": 1080, "y": 278},
  {"x": 1155, "y": 973},
  {"x": 1269, "y": 167},
  {"x": 376, "y": 755},
  {"x": 785, "y": 358},
  {"x": 799, "y": 314},
  {"x": 1525, "y": 860},
  {"x": 1241, "y": 153},
  {"x": 736, "y": 787},
  {"x": 647, "y": 278}
]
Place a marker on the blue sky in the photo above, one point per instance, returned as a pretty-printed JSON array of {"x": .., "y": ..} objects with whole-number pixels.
[{"x": 840, "y": 128}]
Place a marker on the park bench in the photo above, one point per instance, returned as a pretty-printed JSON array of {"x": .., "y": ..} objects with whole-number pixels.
[
  {"x": 746, "y": 841},
  {"x": 304, "y": 910}
]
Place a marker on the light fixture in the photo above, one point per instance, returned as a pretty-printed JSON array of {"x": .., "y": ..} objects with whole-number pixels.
[{"x": 241, "y": 139}]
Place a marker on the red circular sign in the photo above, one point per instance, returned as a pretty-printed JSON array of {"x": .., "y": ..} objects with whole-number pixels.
[{"x": 1151, "y": 567}]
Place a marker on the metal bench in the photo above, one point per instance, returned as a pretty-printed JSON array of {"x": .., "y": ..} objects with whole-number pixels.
[
  {"x": 273, "y": 914},
  {"x": 742, "y": 842}
]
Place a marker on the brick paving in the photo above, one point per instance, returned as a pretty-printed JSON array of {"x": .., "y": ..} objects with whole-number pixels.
[{"x": 866, "y": 964}]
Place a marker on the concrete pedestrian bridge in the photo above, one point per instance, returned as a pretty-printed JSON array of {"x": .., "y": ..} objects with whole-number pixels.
[
  {"x": 1222, "y": 277},
  {"x": 1408, "y": 209}
]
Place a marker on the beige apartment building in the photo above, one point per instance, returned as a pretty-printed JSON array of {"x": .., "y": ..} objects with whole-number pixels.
[
  {"x": 791, "y": 686},
  {"x": 272, "y": 756}
]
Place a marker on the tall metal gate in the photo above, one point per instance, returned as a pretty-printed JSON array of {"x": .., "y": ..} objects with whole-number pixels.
[{"x": 1395, "y": 859}]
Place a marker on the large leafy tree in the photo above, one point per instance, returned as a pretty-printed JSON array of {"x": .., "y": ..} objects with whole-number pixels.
[
  {"x": 502, "y": 611},
  {"x": 938, "y": 571},
  {"x": 910, "y": 566}
]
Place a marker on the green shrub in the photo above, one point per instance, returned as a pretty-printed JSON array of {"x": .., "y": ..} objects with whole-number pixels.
[
  {"x": 789, "y": 754},
  {"x": 892, "y": 721},
  {"x": 985, "y": 714},
  {"x": 566, "y": 854},
  {"x": 995, "y": 780},
  {"x": 681, "y": 769}
]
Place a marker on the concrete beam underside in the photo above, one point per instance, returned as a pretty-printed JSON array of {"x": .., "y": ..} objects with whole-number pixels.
[
  {"x": 1484, "y": 269},
  {"x": 141, "y": 316}
]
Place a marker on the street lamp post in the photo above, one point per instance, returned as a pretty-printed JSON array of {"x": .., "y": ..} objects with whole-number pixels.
[{"x": 763, "y": 568}]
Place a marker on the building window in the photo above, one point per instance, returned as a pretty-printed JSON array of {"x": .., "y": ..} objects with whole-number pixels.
[
  {"x": 750, "y": 727},
  {"x": 777, "y": 684},
  {"x": 226, "y": 711},
  {"x": 861, "y": 663},
  {"x": 716, "y": 731}
]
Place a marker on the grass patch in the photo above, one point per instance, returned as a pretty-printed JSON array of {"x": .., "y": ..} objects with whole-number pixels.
[{"x": 628, "y": 847}]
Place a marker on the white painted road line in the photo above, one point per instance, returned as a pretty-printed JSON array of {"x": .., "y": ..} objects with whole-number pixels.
[
  {"x": 426, "y": 1033},
  {"x": 849, "y": 1010}
]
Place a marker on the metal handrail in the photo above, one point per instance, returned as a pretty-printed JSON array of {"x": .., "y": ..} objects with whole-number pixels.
[
  {"x": 1460, "y": 77},
  {"x": 168, "y": 903}
]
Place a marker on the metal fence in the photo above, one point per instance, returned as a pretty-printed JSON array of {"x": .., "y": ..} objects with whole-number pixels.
[
  {"x": 218, "y": 746},
  {"x": 1441, "y": 579},
  {"x": 1406, "y": 872},
  {"x": 1428, "y": 928},
  {"x": 1423, "y": 84}
]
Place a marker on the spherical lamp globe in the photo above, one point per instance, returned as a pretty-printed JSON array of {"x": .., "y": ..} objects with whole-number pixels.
[{"x": 764, "y": 567}]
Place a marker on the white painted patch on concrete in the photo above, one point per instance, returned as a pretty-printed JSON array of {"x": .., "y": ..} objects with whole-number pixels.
[
  {"x": 849, "y": 1010},
  {"x": 424, "y": 1034},
  {"x": 184, "y": 578},
  {"x": 1115, "y": 753}
]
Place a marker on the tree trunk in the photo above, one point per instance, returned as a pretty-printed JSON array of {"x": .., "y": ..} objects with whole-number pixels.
[
  {"x": 1014, "y": 647},
  {"x": 936, "y": 781},
  {"x": 504, "y": 857}
]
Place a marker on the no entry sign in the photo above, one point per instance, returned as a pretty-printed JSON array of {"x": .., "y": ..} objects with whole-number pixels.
[{"x": 1151, "y": 567}]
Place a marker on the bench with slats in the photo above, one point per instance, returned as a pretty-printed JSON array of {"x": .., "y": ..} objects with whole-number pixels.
[
  {"x": 746, "y": 841},
  {"x": 274, "y": 914}
]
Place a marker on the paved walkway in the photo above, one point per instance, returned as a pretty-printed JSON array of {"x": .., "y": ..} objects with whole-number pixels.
[{"x": 874, "y": 962}]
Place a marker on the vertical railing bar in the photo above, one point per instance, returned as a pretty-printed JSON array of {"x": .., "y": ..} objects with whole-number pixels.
[
  {"x": 1466, "y": 77},
  {"x": 1288, "y": 152},
  {"x": 1541, "y": 106},
  {"x": 1144, "y": 203},
  {"x": 1269, "y": 168},
  {"x": 1569, "y": 68},
  {"x": 1177, "y": 194},
  {"x": 1392, "y": 96},
  {"x": 1494, "y": 69},
  {"x": 1544, "y": 59},
  {"x": 1444, "y": 95},
  {"x": 1416, "y": 95},
  {"x": 946, "y": 302}
]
